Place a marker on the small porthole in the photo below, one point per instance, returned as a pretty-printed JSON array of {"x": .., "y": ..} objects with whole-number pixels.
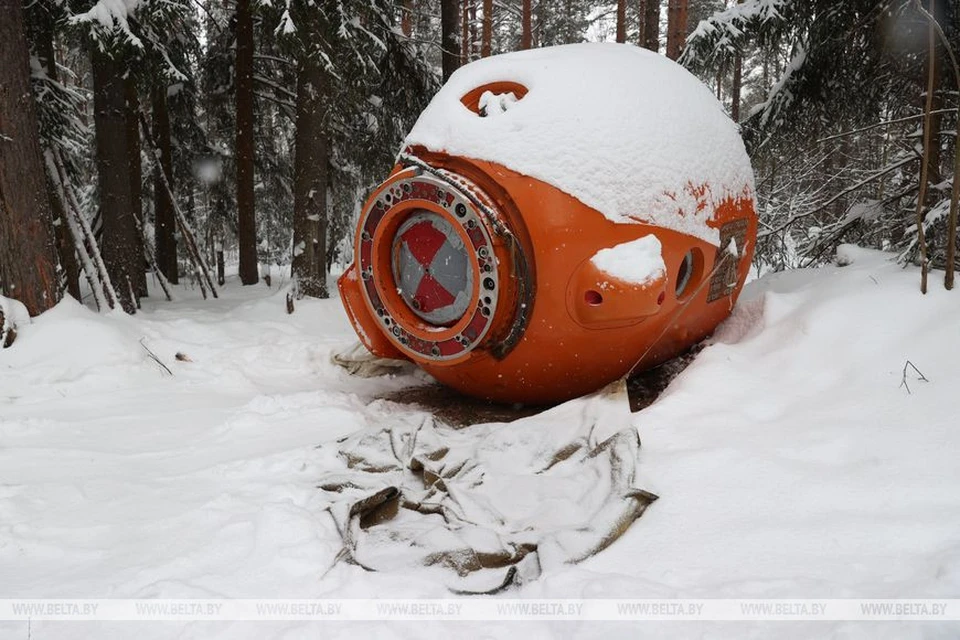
[
  {"x": 688, "y": 273},
  {"x": 593, "y": 298}
]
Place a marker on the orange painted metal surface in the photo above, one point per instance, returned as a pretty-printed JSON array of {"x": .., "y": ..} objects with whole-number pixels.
[{"x": 490, "y": 288}]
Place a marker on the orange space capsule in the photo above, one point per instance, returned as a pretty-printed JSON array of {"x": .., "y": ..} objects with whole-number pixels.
[{"x": 519, "y": 273}]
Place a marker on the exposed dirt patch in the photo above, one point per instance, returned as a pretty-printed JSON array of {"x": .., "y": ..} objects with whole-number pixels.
[{"x": 459, "y": 410}]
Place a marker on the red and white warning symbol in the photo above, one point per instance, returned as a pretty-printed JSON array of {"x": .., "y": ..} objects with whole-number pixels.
[{"x": 432, "y": 269}]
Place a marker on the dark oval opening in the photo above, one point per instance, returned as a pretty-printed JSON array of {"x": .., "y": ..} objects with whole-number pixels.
[{"x": 593, "y": 298}]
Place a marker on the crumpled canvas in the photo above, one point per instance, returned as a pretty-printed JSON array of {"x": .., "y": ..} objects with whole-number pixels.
[{"x": 491, "y": 504}]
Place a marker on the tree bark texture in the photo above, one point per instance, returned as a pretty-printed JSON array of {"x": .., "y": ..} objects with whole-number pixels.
[
  {"x": 28, "y": 259},
  {"x": 621, "y": 20},
  {"x": 448, "y": 37},
  {"x": 651, "y": 25},
  {"x": 135, "y": 166},
  {"x": 165, "y": 221},
  {"x": 66, "y": 252},
  {"x": 464, "y": 33},
  {"x": 406, "y": 18},
  {"x": 246, "y": 214},
  {"x": 735, "y": 88},
  {"x": 526, "y": 35},
  {"x": 486, "y": 40},
  {"x": 121, "y": 249},
  {"x": 676, "y": 27},
  {"x": 310, "y": 182}
]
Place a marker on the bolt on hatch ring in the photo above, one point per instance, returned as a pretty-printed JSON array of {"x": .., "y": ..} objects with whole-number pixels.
[{"x": 441, "y": 329}]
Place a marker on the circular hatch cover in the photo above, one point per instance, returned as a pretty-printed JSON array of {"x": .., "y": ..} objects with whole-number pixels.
[{"x": 432, "y": 269}]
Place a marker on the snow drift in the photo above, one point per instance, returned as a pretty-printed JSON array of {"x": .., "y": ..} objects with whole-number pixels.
[{"x": 789, "y": 460}]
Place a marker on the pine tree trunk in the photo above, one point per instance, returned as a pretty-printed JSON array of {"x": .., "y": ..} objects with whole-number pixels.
[
  {"x": 676, "y": 27},
  {"x": 621, "y": 20},
  {"x": 526, "y": 37},
  {"x": 448, "y": 37},
  {"x": 735, "y": 88},
  {"x": 135, "y": 166},
  {"x": 65, "y": 247},
  {"x": 165, "y": 222},
  {"x": 472, "y": 21},
  {"x": 406, "y": 19},
  {"x": 651, "y": 25},
  {"x": 120, "y": 246},
  {"x": 28, "y": 259},
  {"x": 310, "y": 182},
  {"x": 246, "y": 215},
  {"x": 464, "y": 33},
  {"x": 486, "y": 44}
]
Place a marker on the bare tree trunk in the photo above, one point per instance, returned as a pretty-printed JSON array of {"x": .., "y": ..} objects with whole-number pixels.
[
  {"x": 448, "y": 37},
  {"x": 676, "y": 27},
  {"x": 121, "y": 253},
  {"x": 950, "y": 267},
  {"x": 925, "y": 160},
  {"x": 165, "y": 222},
  {"x": 85, "y": 243},
  {"x": 641, "y": 20},
  {"x": 486, "y": 43},
  {"x": 651, "y": 25},
  {"x": 28, "y": 259},
  {"x": 526, "y": 36},
  {"x": 465, "y": 43},
  {"x": 621, "y": 20},
  {"x": 406, "y": 18},
  {"x": 310, "y": 183},
  {"x": 246, "y": 214},
  {"x": 135, "y": 168},
  {"x": 735, "y": 88},
  {"x": 474, "y": 50},
  {"x": 65, "y": 248},
  {"x": 204, "y": 278}
]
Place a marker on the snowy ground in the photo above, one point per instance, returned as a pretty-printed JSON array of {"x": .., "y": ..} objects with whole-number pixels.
[{"x": 789, "y": 460}]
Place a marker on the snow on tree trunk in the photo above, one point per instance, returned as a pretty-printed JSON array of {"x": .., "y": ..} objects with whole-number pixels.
[
  {"x": 165, "y": 223},
  {"x": 43, "y": 46},
  {"x": 84, "y": 242},
  {"x": 28, "y": 259},
  {"x": 120, "y": 246},
  {"x": 12, "y": 314},
  {"x": 246, "y": 214},
  {"x": 310, "y": 182},
  {"x": 204, "y": 278},
  {"x": 448, "y": 38}
]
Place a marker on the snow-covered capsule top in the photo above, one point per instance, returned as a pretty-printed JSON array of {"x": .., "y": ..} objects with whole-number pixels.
[{"x": 624, "y": 130}]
